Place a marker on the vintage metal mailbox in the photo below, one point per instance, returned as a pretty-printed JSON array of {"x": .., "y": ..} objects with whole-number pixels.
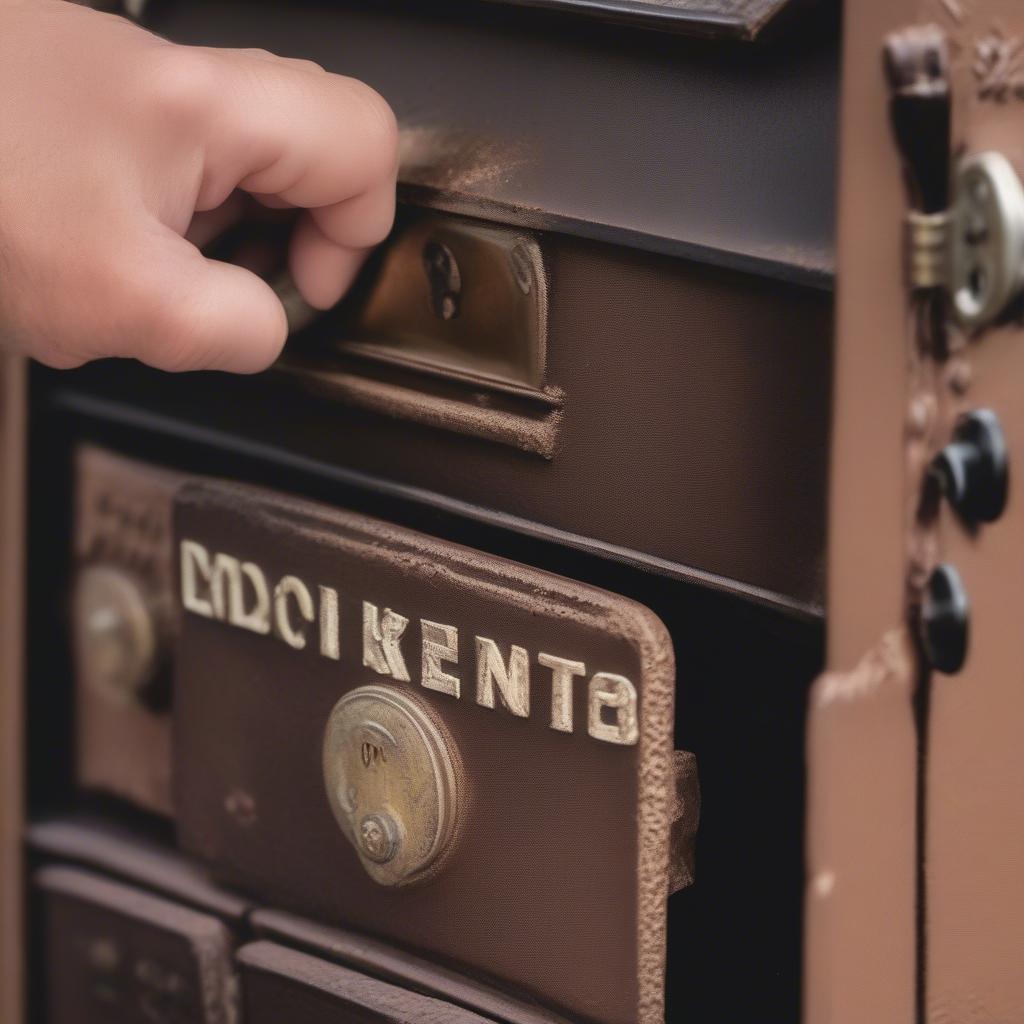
[{"x": 607, "y": 613}]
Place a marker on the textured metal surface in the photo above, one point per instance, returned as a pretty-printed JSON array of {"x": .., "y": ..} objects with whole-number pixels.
[{"x": 615, "y": 135}]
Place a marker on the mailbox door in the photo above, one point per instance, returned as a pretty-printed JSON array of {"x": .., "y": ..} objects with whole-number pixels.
[{"x": 915, "y": 909}]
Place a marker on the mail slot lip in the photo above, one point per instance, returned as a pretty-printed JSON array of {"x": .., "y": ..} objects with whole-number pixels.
[
  {"x": 347, "y": 987},
  {"x": 394, "y": 964}
]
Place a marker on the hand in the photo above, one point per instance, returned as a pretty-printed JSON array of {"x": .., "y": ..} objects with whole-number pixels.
[{"x": 113, "y": 141}]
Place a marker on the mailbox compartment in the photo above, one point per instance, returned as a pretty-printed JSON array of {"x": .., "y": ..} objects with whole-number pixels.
[{"x": 114, "y": 954}]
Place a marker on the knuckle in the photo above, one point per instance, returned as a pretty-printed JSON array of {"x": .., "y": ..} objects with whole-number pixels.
[{"x": 181, "y": 82}]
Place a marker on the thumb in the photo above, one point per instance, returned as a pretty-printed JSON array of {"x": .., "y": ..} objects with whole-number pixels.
[{"x": 186, "y": 312}]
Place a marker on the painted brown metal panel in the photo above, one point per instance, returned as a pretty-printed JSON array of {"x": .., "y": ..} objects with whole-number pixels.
[
  {"x": 12, "y": 541},
  {"x": 557, "y": 876},
  {"x": 860, "y": 940},
  {"x": 974, "y": 814}
]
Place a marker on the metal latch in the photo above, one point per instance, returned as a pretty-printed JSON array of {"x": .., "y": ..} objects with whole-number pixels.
[{"x": 974, "y": 250}]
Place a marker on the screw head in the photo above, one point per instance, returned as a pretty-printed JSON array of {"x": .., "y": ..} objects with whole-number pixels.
[
  {"x": 378, "y": 837},
  {"x": 945, "y": 620}
]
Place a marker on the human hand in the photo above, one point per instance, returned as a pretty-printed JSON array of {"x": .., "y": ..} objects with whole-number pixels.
[{"x": 115, "y": 145}]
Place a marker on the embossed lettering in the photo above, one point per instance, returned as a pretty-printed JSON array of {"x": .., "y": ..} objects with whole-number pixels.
[
  {"x": 330, "y": 641},
  {"x": 562, "y": 672},
  {"x": 440, "y": 643},
  {"x": 195, "y": 565},
  {"x": 381, "y": 636},
  {"x": 618, "y": 695},
  {"x": 512, "y": 682},
  {"x": 227, "y": 590},
  {"x": 292, "y": 586}
]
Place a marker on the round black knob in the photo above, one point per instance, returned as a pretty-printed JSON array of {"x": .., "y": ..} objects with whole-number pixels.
[
  {"x": 945, "y": 620},
  {"x": 973, "y": 469}
]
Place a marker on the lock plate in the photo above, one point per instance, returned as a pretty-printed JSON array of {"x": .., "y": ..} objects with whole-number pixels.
[{"x": 391, "y": 779}]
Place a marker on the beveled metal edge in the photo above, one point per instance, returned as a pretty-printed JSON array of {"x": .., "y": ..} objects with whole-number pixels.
[{"x": 701, "y": 18}]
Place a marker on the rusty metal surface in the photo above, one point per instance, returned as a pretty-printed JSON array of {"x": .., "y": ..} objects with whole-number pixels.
[
  {"x": 615, "y": 135},
  {"x": 13, "y": 414},
  {"x": 585, "y": 879}
]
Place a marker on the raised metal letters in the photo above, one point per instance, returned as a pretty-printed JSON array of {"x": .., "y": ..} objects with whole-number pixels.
[
  {"x": 225, "y": 588},
  {"x": 512, "y": 682},
  {"x": 440, "y": 643}
]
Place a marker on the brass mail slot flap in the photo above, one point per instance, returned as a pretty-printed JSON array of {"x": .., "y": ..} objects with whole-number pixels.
[{"x": 453, "y": 752}]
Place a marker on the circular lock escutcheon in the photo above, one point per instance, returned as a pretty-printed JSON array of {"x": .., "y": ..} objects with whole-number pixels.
[{"x": 392, "y": 779}]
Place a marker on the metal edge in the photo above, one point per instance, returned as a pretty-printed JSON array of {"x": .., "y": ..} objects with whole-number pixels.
[
  {"x": 13, "y": 398},
  {"x": 816, "y": 272},
  {"x": 702, "y": 23},
  {"x": 142, "y": 420}
]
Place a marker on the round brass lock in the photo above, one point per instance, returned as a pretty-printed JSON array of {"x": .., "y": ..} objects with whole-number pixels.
[
  {"x": 392, "y": 782},
  {"x": 117, "y": 641}
]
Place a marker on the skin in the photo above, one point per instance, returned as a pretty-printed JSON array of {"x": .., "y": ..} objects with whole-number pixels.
[{"x": 119, "y": 151}]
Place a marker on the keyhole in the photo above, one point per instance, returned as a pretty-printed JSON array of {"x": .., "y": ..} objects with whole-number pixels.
[{"x": 444, "y": 279}]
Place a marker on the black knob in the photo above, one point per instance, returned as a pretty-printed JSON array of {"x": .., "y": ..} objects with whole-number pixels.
[
  {"x": 945, "y": 620},
  {"x": 973, "y": 469}
]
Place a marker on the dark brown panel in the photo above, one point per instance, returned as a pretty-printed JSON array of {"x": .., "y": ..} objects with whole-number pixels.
[
  {"x": 123, "y": 620},
  {"x": 557, "y": 875},
  {"x": 615, "y": 135},
  {"x": 693, "y": 435},
  {"x": 282, "y": 985},
  {"x": 115, "y": 955}
]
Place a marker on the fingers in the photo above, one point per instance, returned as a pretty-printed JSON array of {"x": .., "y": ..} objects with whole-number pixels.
[
  {"x": 185, "y": 312},
  {"x": 293, "y": 134}
]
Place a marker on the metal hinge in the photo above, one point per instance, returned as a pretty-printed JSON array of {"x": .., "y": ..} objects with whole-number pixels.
[
  {"x": 973, "y": 251},
  {"x": 965, "y": 231}
]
